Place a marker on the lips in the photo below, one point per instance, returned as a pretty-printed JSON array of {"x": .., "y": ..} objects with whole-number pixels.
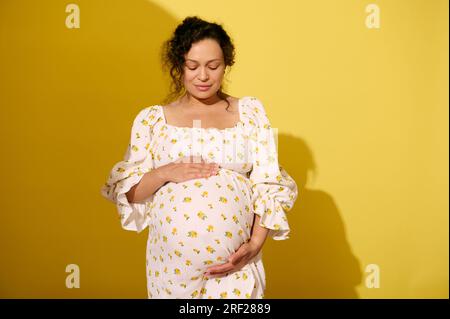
[{"x": 203, "y": 88}]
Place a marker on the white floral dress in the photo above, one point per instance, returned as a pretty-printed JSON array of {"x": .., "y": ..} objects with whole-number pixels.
[{"x": 199, "y": 223}]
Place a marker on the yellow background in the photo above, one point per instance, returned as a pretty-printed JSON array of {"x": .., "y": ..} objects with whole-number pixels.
[{"x": 363, "y": 117}]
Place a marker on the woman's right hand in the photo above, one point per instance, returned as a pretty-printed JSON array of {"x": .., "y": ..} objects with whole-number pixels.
[{"x": 186, "y": 168}]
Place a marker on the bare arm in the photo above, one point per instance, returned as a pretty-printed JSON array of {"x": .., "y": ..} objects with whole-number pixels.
[
  {"x": 148, "y": 185},
  {"x": 259, "y": 233},
  {"x": 177, "y": 171}
]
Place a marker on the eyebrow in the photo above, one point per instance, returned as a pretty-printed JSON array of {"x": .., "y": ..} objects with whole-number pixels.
[{"x": 206, "y": 61}]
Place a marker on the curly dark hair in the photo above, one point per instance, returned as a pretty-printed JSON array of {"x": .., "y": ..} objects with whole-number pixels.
[{"x": 191, "y": 30}]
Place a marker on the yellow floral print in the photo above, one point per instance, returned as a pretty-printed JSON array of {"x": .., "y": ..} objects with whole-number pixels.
[{"x": 199, "y": 223}]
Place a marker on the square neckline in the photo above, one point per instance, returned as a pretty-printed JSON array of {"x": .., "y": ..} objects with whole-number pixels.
[{"x": 239, "y": 123}]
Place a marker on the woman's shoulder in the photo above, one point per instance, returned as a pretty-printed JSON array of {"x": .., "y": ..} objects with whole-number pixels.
[
  {"x": 148, "y": 115},
  {"x": 253, "y": 107},
  {"x": 252, "y": 102},
  {"x": 146, "y": 110}
]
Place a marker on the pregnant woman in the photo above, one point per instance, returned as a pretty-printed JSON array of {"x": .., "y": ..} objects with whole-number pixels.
[{"x": 202, "y": 174}]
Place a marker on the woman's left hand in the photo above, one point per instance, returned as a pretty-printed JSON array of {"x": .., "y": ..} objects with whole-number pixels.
[{"x": 237, "y": 260}]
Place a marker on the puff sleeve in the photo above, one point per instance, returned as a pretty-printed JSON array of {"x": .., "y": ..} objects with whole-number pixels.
[
  {"x": 273, "y": 190},
  {"x": 128, "y": 172}
]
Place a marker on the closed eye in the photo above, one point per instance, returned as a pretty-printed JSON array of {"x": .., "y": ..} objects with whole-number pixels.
[{"x": 210, "y": 68}]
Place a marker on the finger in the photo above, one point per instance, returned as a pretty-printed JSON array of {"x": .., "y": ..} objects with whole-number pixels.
[
  {"x": 203, "y": 171},
  {"x": 214, "y": 167},
  {"x": 212, "y": 170},
  {"x": 219, "y": 268},
  {"x": 197, "y": 174},
  {"x": 227, "y": 267},
  {"x": 201, "y": 165},
  {"x": 186, "y": 159},
  {"x": 200, "y": 173},
  {"x": 196, "y": 159}
]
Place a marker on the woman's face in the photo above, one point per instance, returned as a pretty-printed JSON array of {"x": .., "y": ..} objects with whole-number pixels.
[{"x": 203, "y": 69}]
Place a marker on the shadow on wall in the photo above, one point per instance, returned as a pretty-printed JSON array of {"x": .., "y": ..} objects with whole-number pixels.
[
  {"x": 73, "y": 93},
  {"x": 316, "y": 261}
]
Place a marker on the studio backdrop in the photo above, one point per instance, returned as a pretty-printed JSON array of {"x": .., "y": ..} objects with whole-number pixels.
[{"x": 358, "y": 91}]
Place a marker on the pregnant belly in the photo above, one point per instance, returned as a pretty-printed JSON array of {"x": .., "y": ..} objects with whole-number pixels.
[{"x": 200, "y": 222}]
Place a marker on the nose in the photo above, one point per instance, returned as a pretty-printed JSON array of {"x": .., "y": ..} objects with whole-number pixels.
[{"x": 203, "y": 74}]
